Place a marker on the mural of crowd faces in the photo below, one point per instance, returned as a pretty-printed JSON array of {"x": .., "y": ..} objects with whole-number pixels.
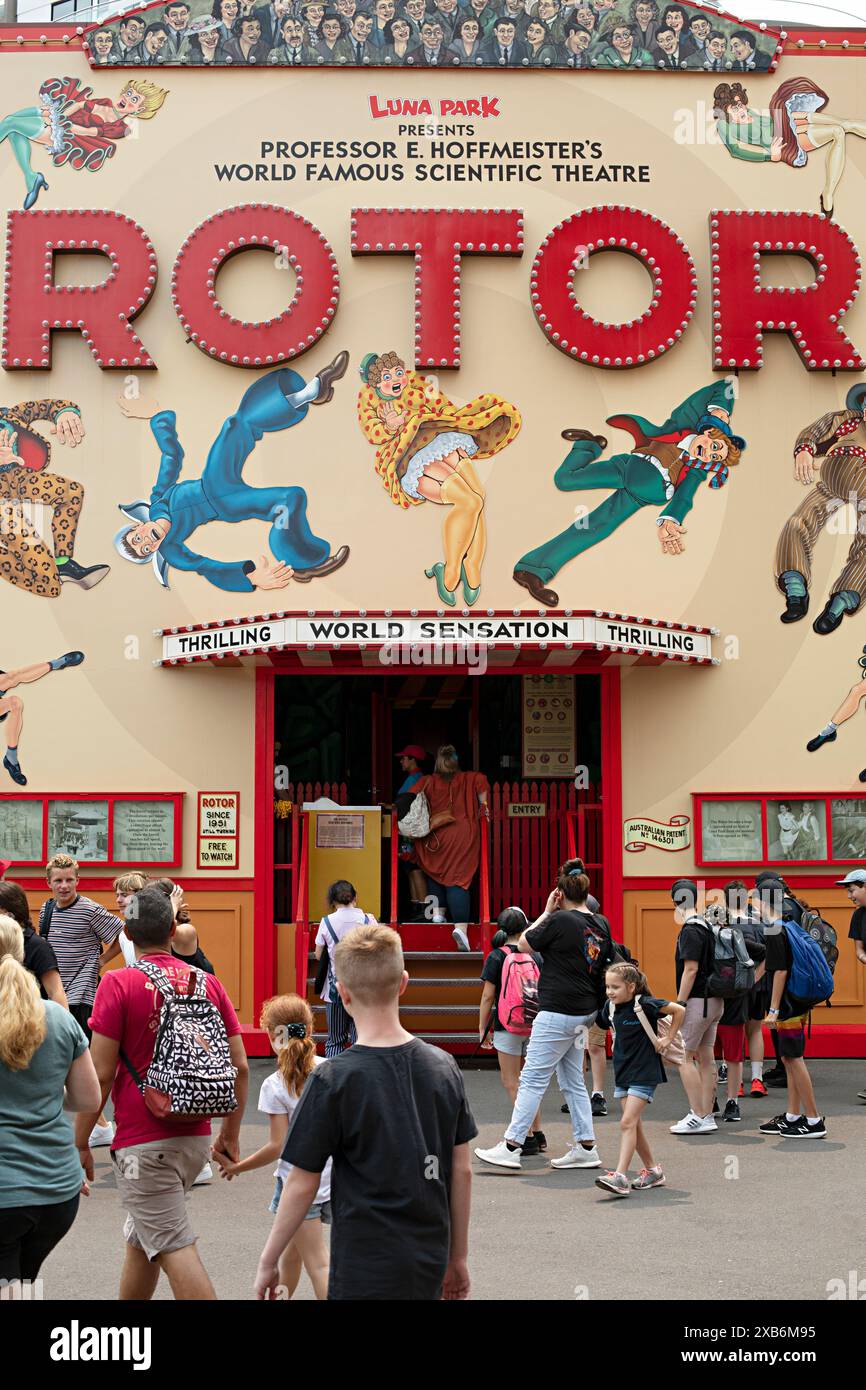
[
  {"x": 177, "y": 18},
  {"x": 102, "y": 46},
  {"x": 466, "y": 37},
  {"x": 577, "y": 41},
  {"x": 536, "y": 34},
  {"x": 432, "y": 34},
  {"x": 673, "y": 30},
  {"x": 398, "y": 37},
  {"x": 131, "y": 32},
  {"x": 332, "y": 30}
]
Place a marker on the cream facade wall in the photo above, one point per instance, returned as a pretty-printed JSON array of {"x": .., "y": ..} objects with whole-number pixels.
[{"x": 117, "y": 723}]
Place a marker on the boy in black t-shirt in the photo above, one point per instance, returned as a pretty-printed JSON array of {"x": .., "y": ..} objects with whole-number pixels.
[
  {"x": 392, "y": 1113},
  {"x": 787, "y": 1018}
]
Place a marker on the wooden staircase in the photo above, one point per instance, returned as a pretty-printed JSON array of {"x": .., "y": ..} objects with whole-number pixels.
[{"x": 440, "y": 1003}]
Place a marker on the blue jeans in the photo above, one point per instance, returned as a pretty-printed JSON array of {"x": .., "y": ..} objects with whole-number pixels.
[
  {"x": 556, "y": 1045},
  {"x": 454, "y": 900}
]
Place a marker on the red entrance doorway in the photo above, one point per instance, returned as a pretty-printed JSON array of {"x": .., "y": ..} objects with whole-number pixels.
[
  {"x": 339, "y": 722},
  {"x": 336, "y": 735}
]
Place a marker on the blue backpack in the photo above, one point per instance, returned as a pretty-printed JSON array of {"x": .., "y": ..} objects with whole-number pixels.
[{"x": 810, "y": 980}]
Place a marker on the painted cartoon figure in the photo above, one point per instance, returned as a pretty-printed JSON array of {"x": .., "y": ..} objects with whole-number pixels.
[
  {"x": 848, "y": 708},
  {"x": 75, "y": 127},
  {"x": 25, "y": 559},
  {"x": 835, "y": 448},
  {"x": 425, "y": 444},
  {"x": 12, "y": 706},
  {"x": 794, "y": 127},
  {"x": 665, "y": 468},
  {"x": 162, "y": 526}
]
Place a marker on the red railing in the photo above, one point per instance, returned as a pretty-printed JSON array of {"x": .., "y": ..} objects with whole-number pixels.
[
  {"x": 395, "y": 846},
  {"x": 526, "y": 851},
  {"x": 302, "y": 926},
  {"x": 484, "y": 885}
]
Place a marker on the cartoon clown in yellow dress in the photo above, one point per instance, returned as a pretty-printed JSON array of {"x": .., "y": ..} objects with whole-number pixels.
[{"x": 424, "y": 450}]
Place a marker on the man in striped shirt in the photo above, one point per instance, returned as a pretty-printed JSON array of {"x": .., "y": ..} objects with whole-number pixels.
[{"x": 79, "y": 928}]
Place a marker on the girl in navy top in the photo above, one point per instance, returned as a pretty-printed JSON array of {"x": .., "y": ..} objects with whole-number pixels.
[{"x": 638, "y": 1069}]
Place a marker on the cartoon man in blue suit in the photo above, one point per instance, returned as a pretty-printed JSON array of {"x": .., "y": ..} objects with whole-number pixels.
[
  {"x": 177, "y": 508},
  {"x": 665, "y": 468}
]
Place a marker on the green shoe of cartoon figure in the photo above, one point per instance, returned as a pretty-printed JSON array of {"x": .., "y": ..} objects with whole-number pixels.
[
  {"x": 437, "y": 572},
  {"x": 469, "y": 594}
]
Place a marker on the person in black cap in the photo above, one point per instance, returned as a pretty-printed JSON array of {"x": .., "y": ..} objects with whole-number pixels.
[
  {"x": 411, "y": 759},
  {"x": 855, "y": 882},
  {"x": 789, "y": 909},
  {"x": 801, "y": 1119},
  {"x": 694, "y": 954}
]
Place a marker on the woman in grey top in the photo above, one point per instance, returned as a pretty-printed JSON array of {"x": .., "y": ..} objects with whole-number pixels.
[{"x": 45, "y": 1068}]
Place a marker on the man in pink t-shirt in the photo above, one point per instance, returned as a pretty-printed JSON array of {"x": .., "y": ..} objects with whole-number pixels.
[{"x": 156, "y": 1161}]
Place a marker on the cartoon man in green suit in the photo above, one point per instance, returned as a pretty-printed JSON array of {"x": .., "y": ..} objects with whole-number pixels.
[{"x": 664, "y": 468}]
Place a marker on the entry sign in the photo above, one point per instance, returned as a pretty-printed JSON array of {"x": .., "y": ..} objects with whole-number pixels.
[
  {"x": 218, "y": 830},
  {"x": 526, "y": 810}
]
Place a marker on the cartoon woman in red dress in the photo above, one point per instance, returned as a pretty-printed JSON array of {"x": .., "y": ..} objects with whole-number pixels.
[{"x": 75, "y": 127}]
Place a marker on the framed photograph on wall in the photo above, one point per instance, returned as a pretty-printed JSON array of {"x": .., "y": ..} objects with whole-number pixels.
[
  {"x": 22, "y": 830},
  {"x": 79, "y": 828},
  {"x": 848, "y": 829},
  {"x": 730, "y": 832},
  {"x": 144, "y": 829},
  {"x": 797, "y": 831},
  {"x": 819, "y": 828}
]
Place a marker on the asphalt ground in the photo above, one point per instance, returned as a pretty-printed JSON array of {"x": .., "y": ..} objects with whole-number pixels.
[{"x": 743, "y": 1217}]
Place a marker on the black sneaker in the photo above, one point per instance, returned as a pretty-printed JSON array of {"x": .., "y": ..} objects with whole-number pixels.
[
  {"x": 776, "y": 1079},
  {"x": 723, "y": 1073},
  {"x": 773, "y": 1126},
  {"x": 530, "y": 1147},
  {"x": 85, "y": 576},
  {"x": 564, "y": 1107},
  {"x": 599, "y": 1104},
  {"x": 732, "y": 1112},
  {"x": 802, "y": 1129},
  {"x": 541, "y": 1140},
  {"x": 715, "y": 1105}
]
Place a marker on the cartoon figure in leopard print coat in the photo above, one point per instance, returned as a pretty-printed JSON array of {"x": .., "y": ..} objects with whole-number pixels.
[{"x": 26, "y": 560}]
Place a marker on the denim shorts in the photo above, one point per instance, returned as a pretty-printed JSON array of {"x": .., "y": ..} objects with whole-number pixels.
[
  {"x": 514, "y": 1044},
  {"x": 319, "y": 1211},
  {"x": 642, "y": 1092}
]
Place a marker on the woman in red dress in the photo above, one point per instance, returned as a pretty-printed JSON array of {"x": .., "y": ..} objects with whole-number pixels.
[
  {"x": 449, "y": 855},
  {"x": 75, "y": 127}
]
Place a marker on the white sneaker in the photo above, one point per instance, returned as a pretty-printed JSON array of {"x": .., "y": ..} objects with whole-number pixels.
[
  {"x": 101, "y": 1135},
  {"x": 204, "y": 1177},
  {"x": 501, "y": 1156},
  {"x": 577, "y": 1157},
  {"x": 695, "y": 1124},
  {"x": 459, "y": 935}
]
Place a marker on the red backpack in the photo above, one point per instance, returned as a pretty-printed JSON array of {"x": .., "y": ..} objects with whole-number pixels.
[{"x": 518, "y": 994}]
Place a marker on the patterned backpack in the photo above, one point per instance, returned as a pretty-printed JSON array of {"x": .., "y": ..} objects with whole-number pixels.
[{"x": 191, "y": 1074}]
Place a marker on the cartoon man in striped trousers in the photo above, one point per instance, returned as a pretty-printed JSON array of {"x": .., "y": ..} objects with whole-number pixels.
[{"x": 835, "y": 447}]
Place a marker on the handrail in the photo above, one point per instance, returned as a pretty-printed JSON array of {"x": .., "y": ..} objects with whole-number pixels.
[
  {"x": 302, "y": 926},
  {"x": 394, "y": 848},
  {"x": 296, "y": 821},
  {"x": 484, "y": 876}
]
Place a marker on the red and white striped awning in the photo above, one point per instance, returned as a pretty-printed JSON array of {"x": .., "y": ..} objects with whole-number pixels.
[{"x": 390, "y": 638}]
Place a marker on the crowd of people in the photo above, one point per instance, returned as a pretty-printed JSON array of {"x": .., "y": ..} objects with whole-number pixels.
[
  {"x": 749, "y": 958},
  {"x": 433, "y": 33},
  {"x": 373, "y": 1139}
]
